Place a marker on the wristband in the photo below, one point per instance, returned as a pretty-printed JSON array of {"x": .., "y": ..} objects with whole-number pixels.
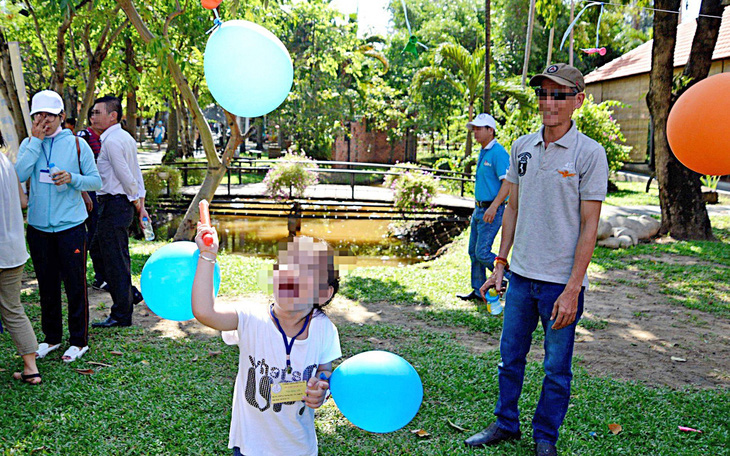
[
  {"x": 500, "y": 260},
  {"x": 209, "y": 260}
]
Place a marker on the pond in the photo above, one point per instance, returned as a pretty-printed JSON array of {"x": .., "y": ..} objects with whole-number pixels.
[{"x": 368, "y": 242}]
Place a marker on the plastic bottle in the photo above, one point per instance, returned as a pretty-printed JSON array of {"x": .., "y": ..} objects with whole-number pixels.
[
  {"x": 494, "y": 304},
  {"x": 54, "y": 170},
  {"x": 149, "y": 233}
]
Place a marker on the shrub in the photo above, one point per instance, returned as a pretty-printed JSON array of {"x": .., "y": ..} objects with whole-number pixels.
[
  {"x": 414, "y": 188},
  {"x": 596, "y": 122},
  {"x": 290, "y": 175},
  {"x": 156, "y": 186},
  {"x": 195, "y": 176}
]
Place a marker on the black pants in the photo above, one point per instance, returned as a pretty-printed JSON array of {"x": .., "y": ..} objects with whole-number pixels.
[
  {"x": 56, "y": 257},
  {"x": 111, "y": 243},
  {"x": 91, "y": 223}
]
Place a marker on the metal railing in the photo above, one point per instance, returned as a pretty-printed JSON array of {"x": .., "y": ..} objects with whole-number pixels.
[{"x": 242, "y": 165}]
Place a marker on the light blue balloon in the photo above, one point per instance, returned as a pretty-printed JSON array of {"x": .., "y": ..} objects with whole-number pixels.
[
  {"x": 377, "y": 391},
  {"x": 247, "y": 68},
  {"x": 167, "y": 280}
]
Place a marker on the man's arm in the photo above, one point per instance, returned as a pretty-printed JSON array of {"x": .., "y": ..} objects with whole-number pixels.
[
  {"x": 509, "y": 222},
  {"x": 121, "y": 167},
  {"x": 566, "y": 306},
  {"x": 490, "y": 213}
]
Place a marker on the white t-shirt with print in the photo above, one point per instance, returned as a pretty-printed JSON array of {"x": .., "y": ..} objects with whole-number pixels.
[{"x": 257, "y": 426}]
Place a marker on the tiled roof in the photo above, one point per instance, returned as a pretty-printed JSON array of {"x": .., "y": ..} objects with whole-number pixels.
[{"x": 638, "y": 60}]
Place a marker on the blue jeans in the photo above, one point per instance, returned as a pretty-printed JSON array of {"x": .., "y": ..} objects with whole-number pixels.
[
  {"x": 480, "y": 245},
  {"x": 527, "y": 302}
]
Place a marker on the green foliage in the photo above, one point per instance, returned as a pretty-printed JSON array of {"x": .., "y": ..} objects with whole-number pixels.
[
  {"x": 156, "y": 186},
  {"x": 290, "y": 176},
  {"x": 195, "y": 175},
  {"x": 414, "y": 188},
  {"x": 710, "y": 182},
  {"x": 596, "y": 122}
]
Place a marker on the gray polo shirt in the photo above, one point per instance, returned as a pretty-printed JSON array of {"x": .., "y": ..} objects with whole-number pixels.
[{"x": 553, "y": 182}]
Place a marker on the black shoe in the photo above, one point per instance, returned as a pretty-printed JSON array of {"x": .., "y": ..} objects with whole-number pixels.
[
  {"x": 100, "y": 285},
  {"x": 545, "y": 449},
  {"x": 492, "y": 436},
  {"x": 110, "y": 323},
  {"x": 136, "y": 296},
  {"x": 473, "y": 296}
]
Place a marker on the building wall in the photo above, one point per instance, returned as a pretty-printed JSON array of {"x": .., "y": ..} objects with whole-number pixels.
[
  {"x": 634, "y": 118},
  {"x": 369, "y": 146}
]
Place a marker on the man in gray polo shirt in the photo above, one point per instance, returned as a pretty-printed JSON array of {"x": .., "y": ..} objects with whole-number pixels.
[{"x": 558, "y": 178}]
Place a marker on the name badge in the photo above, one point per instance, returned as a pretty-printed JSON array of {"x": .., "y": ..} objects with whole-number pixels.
[
  {"x": 45, "y": 177},
  {"x": 288, "y": 392}
]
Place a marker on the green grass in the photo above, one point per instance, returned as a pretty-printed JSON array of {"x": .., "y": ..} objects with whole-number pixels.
[
  {"x": 165, "y": 396},
  {"x": 634, "y": 194}
]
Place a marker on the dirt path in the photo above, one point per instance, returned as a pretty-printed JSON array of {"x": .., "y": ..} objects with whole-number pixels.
[{"x": 631, "y": 332}]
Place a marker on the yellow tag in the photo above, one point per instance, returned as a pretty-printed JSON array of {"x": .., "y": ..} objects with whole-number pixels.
[{"x": 288, "y": 392}]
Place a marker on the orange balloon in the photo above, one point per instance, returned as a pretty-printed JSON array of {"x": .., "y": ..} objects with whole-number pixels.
[
  {"x": 698, "y": 127},
  {"x": 210, "y": 4}
]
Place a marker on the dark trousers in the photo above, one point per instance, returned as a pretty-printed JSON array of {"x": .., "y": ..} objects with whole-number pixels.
[
  {"x": 91, "y": 222},
  {"x": 56, "y": 257},
  {"x": 111, "y": 243}
]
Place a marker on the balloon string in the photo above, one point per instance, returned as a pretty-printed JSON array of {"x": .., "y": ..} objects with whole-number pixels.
[
  {"x": 405, "y": 12},
  {"x": 598, "y": 25},
  {"x": 216, "y": 22}
]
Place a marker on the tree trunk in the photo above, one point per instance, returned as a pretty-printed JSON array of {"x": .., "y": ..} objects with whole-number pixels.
[
  {"x": 96, "y": 58},
  {"x": 59, "y": 71},
  {"x": 131, "y": 87},
  {"x": 172, "y": 132},
  {"x": 528, "y": 41},
  {"x": 684, "y": 215},
  {"x": 8, "y": 89},
  {"x": 468, "y": 145},
  {"x": 550, "y": 46},
  {"x": 487, "y": 50}
]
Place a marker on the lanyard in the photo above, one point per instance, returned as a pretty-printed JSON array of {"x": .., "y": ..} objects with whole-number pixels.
[
  {"x": 49, "y": 155},
  {"x": 287, "y": 343}
]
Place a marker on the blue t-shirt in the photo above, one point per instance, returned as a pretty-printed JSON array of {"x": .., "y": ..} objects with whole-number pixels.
[{"x": 492, "y": 167}]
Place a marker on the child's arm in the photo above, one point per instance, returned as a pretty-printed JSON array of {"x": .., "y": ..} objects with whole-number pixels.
[
  {"x": 204, "y": 307},
  {"x": 317, "y": 387}
]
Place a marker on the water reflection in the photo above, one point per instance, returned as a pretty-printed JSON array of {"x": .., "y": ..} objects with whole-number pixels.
[{"x": 367, "y": 242}]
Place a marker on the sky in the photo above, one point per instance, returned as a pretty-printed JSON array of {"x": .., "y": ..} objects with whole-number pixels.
[{"x": 373, "y": 15}]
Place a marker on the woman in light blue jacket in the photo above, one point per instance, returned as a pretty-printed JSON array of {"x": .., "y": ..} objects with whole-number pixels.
[{"x": 60, "y": 167}]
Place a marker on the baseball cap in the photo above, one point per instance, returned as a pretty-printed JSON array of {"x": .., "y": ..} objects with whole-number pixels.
[
  {"x": 563, "y": 74},
  {"x": 46, "y": 101},
  {"x": 482, "y": 120}
]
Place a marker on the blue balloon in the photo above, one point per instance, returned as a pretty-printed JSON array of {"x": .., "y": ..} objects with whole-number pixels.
[
  {"x": 167, "y": 280},
  {"x": 247, "y": 68},
  {"x": 377, "y": 391}
]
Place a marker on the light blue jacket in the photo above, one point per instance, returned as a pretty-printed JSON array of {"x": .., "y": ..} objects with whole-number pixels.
[{"x": 48, "y": 209}]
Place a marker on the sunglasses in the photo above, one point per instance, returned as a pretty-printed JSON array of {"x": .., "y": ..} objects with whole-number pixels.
[{"x": 554, "y": 94}]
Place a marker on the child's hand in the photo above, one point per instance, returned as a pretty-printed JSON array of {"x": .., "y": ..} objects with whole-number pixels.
[
  {"x": 316, "y": 392},
  {"x": 206, "y": 229}
]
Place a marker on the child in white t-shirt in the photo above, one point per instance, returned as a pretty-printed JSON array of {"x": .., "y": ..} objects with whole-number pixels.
[{"x": 286, "y": 349}]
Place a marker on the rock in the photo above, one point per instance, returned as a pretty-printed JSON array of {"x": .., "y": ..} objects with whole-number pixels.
[
  {"x": 633, "y": 224},
  {"x": 625, "y": 241},
  {"x": 616, "y": 220},
  {"x": 605, "y": 229},
  {"x": 651, "y": 225},
  {"x": 626, "y": 232},
  {"x": 611, "y": 243}
]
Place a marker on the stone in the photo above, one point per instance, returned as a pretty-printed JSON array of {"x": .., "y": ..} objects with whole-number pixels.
[
  {"x": 627, "y": 232},
  {"x": 651, "y": 225},
  {"x": 610, "y": 243},
  {"x": 605, "y": 229}
]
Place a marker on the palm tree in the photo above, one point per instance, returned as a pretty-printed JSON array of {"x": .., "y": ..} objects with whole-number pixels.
[{"x": 463, "y": 70}]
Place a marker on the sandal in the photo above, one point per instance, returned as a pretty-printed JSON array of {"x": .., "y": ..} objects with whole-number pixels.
[
  {"x": 44, "y": 349},
  {"x": 73, "y": 353},
  {"x": 29, "y": 378}
]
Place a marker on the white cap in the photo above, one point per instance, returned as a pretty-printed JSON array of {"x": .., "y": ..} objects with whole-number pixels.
[
  {"x": 46, "y": 101},
  {"x": 482, "y": 120}
]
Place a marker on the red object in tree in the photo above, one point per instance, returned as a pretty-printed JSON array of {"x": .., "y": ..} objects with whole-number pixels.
[{"x": 210, "y": 4}]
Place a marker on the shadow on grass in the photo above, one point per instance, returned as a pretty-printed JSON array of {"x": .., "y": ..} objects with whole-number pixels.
[{"x": 374, "y": 290}]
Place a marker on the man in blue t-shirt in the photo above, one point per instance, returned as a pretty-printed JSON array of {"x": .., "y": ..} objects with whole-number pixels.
[{"x": 489, "y": 195}]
